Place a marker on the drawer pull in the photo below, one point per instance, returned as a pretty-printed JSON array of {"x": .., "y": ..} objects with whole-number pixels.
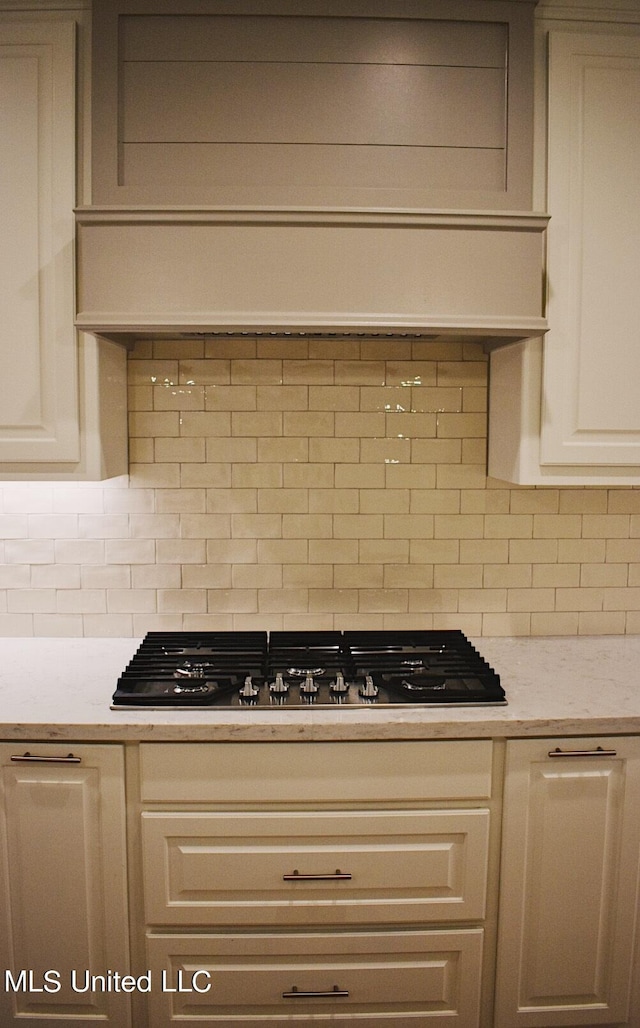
[
  {"x": 337, "y": 875},
  {"x": 598, "y": 752},
  {"x": 297, "y": 993},
  {"x": 33, "y": 758}
]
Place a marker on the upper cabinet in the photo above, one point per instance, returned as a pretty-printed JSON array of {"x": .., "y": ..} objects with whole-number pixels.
[
  {"x": 565, "y": 410},
  {"x": 59, "y": 396}
]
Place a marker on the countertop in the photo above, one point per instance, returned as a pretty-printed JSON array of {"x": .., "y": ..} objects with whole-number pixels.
[{"x": 61, "y": 689}]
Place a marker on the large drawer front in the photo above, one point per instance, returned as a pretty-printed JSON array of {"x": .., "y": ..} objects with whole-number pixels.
[
  {"x": 318, "y": 772},
  {"x": 398, "y": 978},
  {"x": 343, "y": 867}
]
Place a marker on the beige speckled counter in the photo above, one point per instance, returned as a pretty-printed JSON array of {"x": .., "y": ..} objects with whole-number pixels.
[{"x": 61, "y": 689}]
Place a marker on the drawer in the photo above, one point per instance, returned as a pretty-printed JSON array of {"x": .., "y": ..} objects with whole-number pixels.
[
  {"x": 343, "y": 867},
  {"x": 316, "y": 772},
  {"x": 374, "y": 979}
]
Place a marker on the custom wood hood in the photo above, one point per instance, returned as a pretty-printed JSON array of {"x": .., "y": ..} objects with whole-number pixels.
[{"x": 331, "y": 168}]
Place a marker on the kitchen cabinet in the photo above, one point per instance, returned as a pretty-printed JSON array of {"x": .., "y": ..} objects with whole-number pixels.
[
  {"x": 564, "y": 410},
  {"x": 569, "y": 881},
  {"x": 340, "y": 881},
  {"x": 62, "y": 396},
  {"x": 63, "y": 890}
]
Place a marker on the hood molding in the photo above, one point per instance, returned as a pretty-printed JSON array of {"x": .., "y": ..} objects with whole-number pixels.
[{"x": 150, "y": 272}]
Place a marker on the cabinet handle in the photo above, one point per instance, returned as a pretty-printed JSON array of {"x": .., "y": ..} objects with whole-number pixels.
[
  {"x": 598, "y": 752},
  {"x": 297, "y": 993},
  {"x": 35, "y": 759},
  {"x": 337, "y": 875}
]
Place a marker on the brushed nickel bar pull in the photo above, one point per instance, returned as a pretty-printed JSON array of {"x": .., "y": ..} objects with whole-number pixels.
[
  {"x": 338, "y": 875},
  {"x": 598, "y": 752},
  {"x": 34, "y": 758},
  {"x": 297, "y": 993}
]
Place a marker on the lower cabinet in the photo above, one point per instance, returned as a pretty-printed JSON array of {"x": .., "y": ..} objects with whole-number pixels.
[
  {"x": 316, "y": 882},
  {"x": 569, "y": 883},
  {"x": 63, "y": 890}
]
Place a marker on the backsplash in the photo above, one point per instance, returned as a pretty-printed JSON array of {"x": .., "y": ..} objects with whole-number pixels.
[{"x": 302, "y": 483}]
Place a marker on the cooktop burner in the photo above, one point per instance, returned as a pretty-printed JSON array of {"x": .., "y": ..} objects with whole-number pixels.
[{"x": 306, "y": 669}]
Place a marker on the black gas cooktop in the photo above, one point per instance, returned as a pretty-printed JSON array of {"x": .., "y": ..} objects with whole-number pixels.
[{"x": 306, "y": 669}]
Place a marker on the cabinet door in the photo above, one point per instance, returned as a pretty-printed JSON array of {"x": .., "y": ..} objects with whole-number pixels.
[
  {"x": 63, "y": 905},
  {"x": 569, "y": 880}
]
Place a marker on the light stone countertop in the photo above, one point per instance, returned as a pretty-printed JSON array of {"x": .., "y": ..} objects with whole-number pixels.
[{"x": 54, "y": 688}]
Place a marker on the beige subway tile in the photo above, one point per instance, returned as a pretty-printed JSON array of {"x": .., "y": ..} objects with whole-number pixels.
[
  {"x": 29, "y": 601},
  {"x": 254, "y": 476},
  {"x": 482, "y": 600},
  {"x": 232, "y": 601},
  {"x": 485, "y": 551},
  {"x": 408, "y": 576},
  {"x": 406, "y": 476},
  {"x": 81, "y": 601},
  {"x": 605, "y": 526},
  {"x": 457, "y": 576},
  {"x": 620, "y": 551},
  {"x": 167, "y": 348},
  {"x": 358, "y": 526},
  {"x": 358, "y": 576},
  {"x": 130, "y": 551},
  {"x": 334, "y": 501},
  {"x": 360, "y": 424},
  {"x": 408, "y": 526},
  {"x": 556, "y": 576},
  {"x": 151, "y": 425},
  {"x": 284, "y": 551},
  {"x": 19, "y": 576},
  {"x": 309, "y": 424},
  {"x": 383, "y": 601},
  {"x": 333, "y": 600},
  {"x": 233, "y": 348},
  {"x": 434, "y": 501},
  {"x": 360, "y": 372},
  {"x": 283, "y": 501},
  {"x": 143, "y": 623},
  {"x": 102, "y": 526},
  {"x": 386, "y": 349},
  {"x": 433, "y": 600},
  {"x": 107, "y": 626},
  {"x": 305, "y": 576},
  {"x": 530, "y": 599},
  {"x": 227, "y": 398},
  {"x": 257, "y": 576},
  {"x": 416, "y": 373},
  {"x": 634, "y": 526},
  {"x": 205, "y": 526},
  {"x": 383, "y": 501},
  {"x": 261, "y": 424},
  {"x": 189, "y": 450},
  {"x": 410, "y": 425},
  {"x": 95, "y": 576},
  {"x": 283, "y": 398},
  {"x": 16, "y": 625},
  {"x": 55, "y": 576},
  {"x": 459, "y": 426},
  {"x": 319, "y": 476},
  {"x": 361, "y": 622},
  {"x": 580, "y": 599},
  {"x": 632, "y": 622},
  {"x": 157, "y": 576},
  {"x": 52, "y": 526},
  {"x": 256, "y": 372},
  {"x": 581, "y": 551},
  {"x": 458, "y": 526},
  {"x": 203, "y": 576},
  {"x": 151, "y": 372},
  {"x": 623, "y": 501},
  {"x": 334, "y": 451},
  {"x": 484, "y": 501},
  {"x": 583, "y": 501},
  {"x": 281, "y": 601},
  {"x": 612, "y": 575},
  {"x": 462, "y": 373},
  {"x": 633, "y": 580},
  {"x": 474, "y": 451},
  {"x": 68, "y": 551},
  {"x": 27, "y": 498},
  {"x": 177, "y": 501},
  {"x": 534, "y": 501},
  {"x": 256, "y": 526},
  {"x": 436, "y": 451},
  {"x": 555, "y": 623},
  {"x": 307, "y": 372},
  {"x": 383, "y": 551},
  {"x": 205, "y": 372},
  {"x": 474, "y": 399},
  {"x": 621, "y": 599},
  {"x": 216, "y": 424},
  {"x": 69, "y": 625},
  {"x": 129, "y": 501},
  {"x": 335, "y": 398},
  {"x": 507, "y": 576},
  {"x": 435, "y": 551},
  {"x": 508, "y": 526},
  {"x": 154, "y": 476},
  {"x": 180, "y": 551},
  {"x": 131, "y": 601},
  {"x": 181, "y": 601},
  {"x": 468, "y": 477},
  {"x": 470, "y": 624},
  {"x": 228, "y": 501},
  {"x": 506, "y": 624},
  {"x": 379, "y": 398},
  {"x": 307, "y": 526},
  {"x": 386, "y": 451},
  {"x": 333, "y": 551},
  {"x": 429, "y": 400},
  {"x": 178, "y": 397},
  {"x": 610, "y": 623},
  {"x": 69, "y": 499},
  {"x": 229, "y": 451}
]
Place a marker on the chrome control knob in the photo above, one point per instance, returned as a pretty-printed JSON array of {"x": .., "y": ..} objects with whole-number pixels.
[
  {"x": 369, "y": 690},
  {"x": 248, "y": 691},
  {"x": 339, "y": 686},
  {"x": 279, "y": 687},
  {"x": 309, "y": 687}
]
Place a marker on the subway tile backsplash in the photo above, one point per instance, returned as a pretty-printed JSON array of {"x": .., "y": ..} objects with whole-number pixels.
[{"x": 302, "y": 483}]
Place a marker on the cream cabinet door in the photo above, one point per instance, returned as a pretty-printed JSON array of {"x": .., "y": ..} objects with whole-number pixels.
[
  {"x": 568, "y": 900},
  {"x": 63, "y": 905}
]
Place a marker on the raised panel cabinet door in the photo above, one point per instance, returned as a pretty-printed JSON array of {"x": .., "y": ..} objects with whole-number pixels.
[
  {"x": 568, "y": 899},
  {"x": 63, "y": 895},
  {"x": 39, "y": 397}
]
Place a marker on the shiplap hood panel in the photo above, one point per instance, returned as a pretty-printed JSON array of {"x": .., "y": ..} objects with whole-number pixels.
[{"x": 315, "y": 167}]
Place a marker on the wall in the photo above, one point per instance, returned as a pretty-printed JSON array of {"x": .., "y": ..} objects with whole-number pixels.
[{"x": 314, "y": 483}]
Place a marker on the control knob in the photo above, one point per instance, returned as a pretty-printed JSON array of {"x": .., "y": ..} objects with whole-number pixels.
[
  {"x": 309, "y": 687},
  {"x": 279, "y": 687},
  {"x": 248, "y": 690},
  {"x": 369, "y": 690}
]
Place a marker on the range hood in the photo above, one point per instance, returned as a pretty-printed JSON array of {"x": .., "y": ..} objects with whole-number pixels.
[{"x": 323, "y": 167}]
